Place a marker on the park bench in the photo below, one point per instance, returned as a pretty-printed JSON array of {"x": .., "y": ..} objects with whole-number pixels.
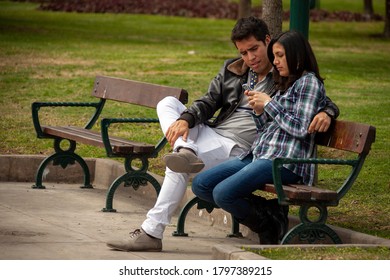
[
  {"x": 112, "y": 90},
  {"x": 355, "y": 140}
]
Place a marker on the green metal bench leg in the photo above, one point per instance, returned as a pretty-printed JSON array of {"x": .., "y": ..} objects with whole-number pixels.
[
  {"x": 312, "y": 231},
  {"x": 183, "y": 215},
  {"x": 134, "y": 179},
  {"x": 63, "y": 159}
]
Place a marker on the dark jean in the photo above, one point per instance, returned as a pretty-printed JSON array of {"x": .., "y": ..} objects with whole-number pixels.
[{"x": 229, "y": 184}]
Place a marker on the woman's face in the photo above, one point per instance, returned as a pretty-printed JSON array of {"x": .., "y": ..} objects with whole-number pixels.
[{"x": 280, "y": 60}]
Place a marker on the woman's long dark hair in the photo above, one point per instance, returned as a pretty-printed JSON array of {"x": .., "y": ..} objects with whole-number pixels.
[{"x": 299, "y": 55}]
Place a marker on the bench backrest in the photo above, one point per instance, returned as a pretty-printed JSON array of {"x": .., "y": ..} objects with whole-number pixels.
[
  {"x": 135, "y": 92},
  {"x": 348, "y": 136}
]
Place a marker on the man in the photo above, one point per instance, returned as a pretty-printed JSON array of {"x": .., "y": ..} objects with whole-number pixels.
[{"x": 201, "y": 141}]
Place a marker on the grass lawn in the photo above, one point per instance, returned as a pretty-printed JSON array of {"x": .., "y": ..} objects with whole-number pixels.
[
  {"x": 327, "y": 252},
  {"x": 50, "y": 56}
]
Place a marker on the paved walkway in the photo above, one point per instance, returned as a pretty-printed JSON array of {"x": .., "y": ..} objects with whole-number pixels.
[{"x": 65, "y": 222}]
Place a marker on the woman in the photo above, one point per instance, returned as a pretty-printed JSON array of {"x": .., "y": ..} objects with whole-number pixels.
[{"x": 282, "y": 125}]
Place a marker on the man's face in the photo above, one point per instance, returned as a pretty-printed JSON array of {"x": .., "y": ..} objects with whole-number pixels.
[{"x": 254, "y": 54}]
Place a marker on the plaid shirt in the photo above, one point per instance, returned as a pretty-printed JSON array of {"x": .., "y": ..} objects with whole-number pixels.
[{"x": 282, "y": 129}]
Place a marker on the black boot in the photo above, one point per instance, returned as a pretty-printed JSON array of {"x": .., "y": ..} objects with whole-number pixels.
[
  {"x": 269, "y": 234},
  {"x": 260, "y": 221},
  {"x": 264, "y": 227},
  {"x": 279, "y": 214}
]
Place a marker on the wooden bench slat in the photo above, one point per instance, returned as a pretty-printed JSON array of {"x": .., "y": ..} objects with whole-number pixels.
[
  {"x": 118, "y": 144},
  {"x": 302, "y": 192},
  {"x": 66, "y": 133},
  {"x": 318, "y": 193},
  {"x": 135, "y": 92},
  {"x": 90, "y": 137},
  {"x": 348, "y": 136},
  {"x": 293, "y": 193}
]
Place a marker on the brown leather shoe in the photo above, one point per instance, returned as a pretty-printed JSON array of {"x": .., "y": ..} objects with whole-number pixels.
[
  {"x": 184, "y": 161},
  {"x": 138, "y": 241}
]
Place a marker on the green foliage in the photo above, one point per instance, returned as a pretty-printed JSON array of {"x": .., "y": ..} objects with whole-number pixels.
[
  {"x": 54, "y": 56},
  {"x": 344, "y": 5}
]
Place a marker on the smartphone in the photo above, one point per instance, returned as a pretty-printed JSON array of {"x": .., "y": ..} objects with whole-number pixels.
[{"x": 246, "y": 87}]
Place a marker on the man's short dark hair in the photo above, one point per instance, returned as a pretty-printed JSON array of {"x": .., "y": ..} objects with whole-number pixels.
[{"x": 249, "y": 26}]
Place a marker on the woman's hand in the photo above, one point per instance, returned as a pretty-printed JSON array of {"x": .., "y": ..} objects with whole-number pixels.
[{"x": 257, "y": 100}]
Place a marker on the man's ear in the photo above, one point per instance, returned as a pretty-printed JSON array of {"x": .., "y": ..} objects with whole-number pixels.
[{"x": 267, "y": 39}]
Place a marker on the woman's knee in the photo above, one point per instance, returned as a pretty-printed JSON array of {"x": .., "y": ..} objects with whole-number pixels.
[{"x": 221, "y": 197}]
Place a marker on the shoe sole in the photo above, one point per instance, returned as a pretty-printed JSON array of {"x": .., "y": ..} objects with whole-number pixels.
[
  {"x": 181, "y": 165},
  {"x": 138, "y": 250}
]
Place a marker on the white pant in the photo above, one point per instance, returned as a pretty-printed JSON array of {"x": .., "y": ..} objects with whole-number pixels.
[{"x": 211, "y": 147}]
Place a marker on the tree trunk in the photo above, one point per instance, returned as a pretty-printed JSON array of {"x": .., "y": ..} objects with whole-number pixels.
[
  {"x": 387, "y": 20},
  {"x": 244, "y": 8},
  {"x": 272, "y": 14},
  {"x": 368, "y": 9}
]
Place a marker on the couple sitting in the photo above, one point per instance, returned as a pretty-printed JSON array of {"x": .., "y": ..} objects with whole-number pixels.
[{"x": 270, "y": 102}]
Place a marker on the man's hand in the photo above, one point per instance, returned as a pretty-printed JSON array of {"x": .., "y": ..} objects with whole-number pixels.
[
  {"x": 320, "y": 123},
  {"x": 177, "y": 129}
]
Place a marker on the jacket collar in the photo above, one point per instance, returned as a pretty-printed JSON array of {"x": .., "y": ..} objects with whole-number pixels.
[{"x": 238, "y": 67}]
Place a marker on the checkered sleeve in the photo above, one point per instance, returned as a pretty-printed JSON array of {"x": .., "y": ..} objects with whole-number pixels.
[{"x": 298, "y": 106}]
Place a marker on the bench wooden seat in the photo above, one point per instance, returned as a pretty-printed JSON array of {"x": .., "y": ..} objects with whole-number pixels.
[
  {"x": 302, "y": 193},
  {"x": 354, "y": 138},
  {"x": 113, "y": 90},
  {"x": 89, "y": 137}
]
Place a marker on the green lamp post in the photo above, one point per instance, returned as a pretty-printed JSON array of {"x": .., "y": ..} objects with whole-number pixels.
[{"x": 299, "y": 16}]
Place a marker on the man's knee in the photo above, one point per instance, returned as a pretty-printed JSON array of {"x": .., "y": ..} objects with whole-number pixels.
[{"x": 167, "y": 102}]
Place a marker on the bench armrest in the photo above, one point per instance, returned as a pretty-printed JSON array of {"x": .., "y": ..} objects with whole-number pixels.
[
  {"x": 278, "y": 163},
  {"x": 36, "y": 106},
  {"x": 106, "y": 122}
]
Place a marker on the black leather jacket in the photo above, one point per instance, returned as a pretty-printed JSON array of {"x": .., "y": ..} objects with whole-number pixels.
[{"x": 224, "y": 94}]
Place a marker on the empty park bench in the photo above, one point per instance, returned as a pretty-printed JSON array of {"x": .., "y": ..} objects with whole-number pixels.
[
  {"x": 112, "y": 90},
  {"x": 355, "y": 140}
]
